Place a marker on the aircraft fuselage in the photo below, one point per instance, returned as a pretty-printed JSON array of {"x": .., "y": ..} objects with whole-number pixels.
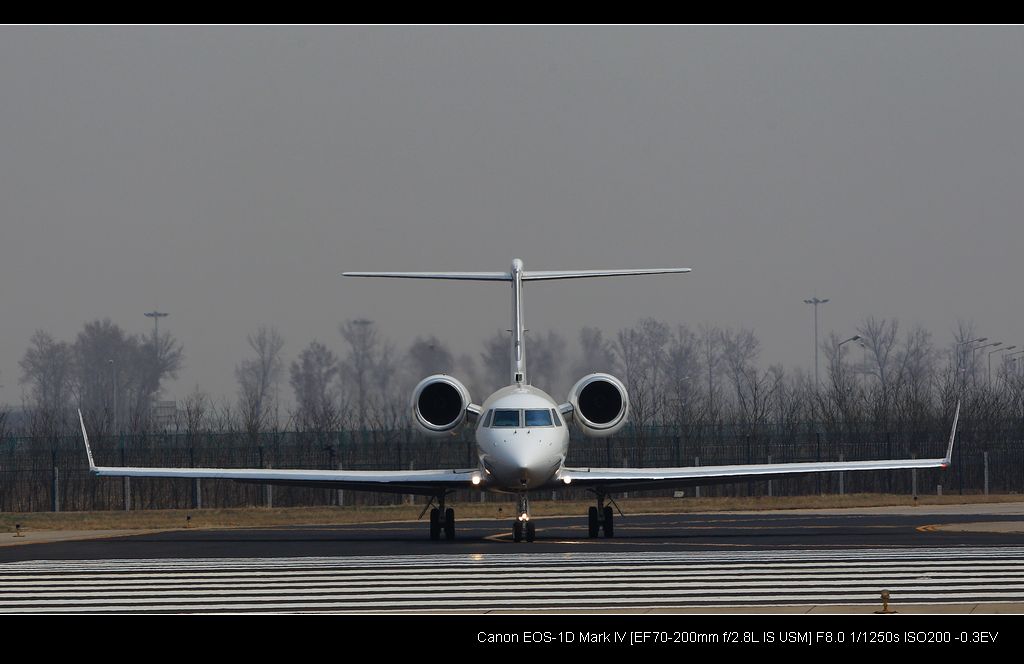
[{"x": 522, "y": 439}]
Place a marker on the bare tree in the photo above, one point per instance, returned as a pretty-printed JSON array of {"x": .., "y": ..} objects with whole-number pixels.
[
  {"x": 466, "y": 366},
  {"x": 962, "y": 359},
  {"x": 916, "y": 358},
  {"x": 642, "y": 351},
  {"x": 385, "y": 370},
  {"x": 546, "y": 360},
  {"x": 357, "y": 368},
  {"x": 314, "y": 378},
  {"x": 194, "y": 411},
  {"x": 429, "y": 356},
  {"x": 842, "y": 378},
  {"x": 120, "y": 375},
  {"x": 710, "y": 340},
  {"x": 879, "y": 338},
  {"x": 682, "y": 369},
  {"x": 495, "y": 360},
  {"x": 257, "y": 380},
  {"x": 740, "y": 351},
  {"x": 838, "y": 406},
  {"x": 101, "y": 356},
  {"x": 597, "y": 354},
  {"x": 916, "y": 371},
  {"x": 47, "y": 368},
  {"x": 5, "y": 416},
  {"x": 369, "y": 370},
  {"x": 156, "y": 358}
]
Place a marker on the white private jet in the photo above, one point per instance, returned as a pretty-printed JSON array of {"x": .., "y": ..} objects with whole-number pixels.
[{"x": 522, "y": 436}]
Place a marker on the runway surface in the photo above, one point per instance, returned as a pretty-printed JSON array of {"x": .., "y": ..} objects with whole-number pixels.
[
  {"x": 519, "y": 581},
  {"x": 655, "y": 562}
]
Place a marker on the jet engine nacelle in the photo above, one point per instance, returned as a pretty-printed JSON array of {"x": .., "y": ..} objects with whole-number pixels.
[
  {"x": 600, "y": 404},
  {"x": 439, "y": 404}
]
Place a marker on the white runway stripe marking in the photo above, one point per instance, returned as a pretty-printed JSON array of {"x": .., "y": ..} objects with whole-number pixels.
[
  {"x": 817, "y": 568},
  {"x": 1014, "y": 573},
  {"x": 941, "y": 554},
  {"x": 460, "y": 562},
  {"x": 520, "y": 581}
]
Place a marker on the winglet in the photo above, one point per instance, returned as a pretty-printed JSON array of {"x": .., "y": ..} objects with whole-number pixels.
[
  {"x": 88, "y": 450},
  {"x": 952, "y": 436}
]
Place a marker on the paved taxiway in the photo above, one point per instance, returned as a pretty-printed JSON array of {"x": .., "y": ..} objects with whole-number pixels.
[{"x": 934, "y": 526}]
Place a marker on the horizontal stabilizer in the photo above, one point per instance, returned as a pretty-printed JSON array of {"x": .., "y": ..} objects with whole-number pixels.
[
  {"x": 460, "y": 276},
  {"x": 532, "y": 275},
  {"x": 540, "y": 275}
]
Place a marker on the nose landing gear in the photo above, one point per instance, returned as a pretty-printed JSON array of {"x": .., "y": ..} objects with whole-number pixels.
[{"x": 522, "y": 526}]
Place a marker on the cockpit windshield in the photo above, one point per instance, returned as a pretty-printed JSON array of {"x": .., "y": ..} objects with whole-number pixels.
[
  {"x": 538, "y": 418},
  {"x": 505, "y": 418}
]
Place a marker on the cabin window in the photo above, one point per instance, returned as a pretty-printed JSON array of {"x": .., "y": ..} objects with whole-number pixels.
[
  {"x": 538, "y": 417},
  {"x": 505, "y": 418}
]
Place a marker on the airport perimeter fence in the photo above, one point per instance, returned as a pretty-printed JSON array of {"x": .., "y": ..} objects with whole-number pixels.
[{"x": 52, "y": 474}]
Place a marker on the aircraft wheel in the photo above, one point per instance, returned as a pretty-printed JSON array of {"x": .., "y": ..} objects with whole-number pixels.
[
  {"x": 531, "y": 531},
  {"x": 609, "y": 527},
  {"x": 517, "y": 531},
  {"x": 593, "y": 527},
  {"x": 435, "y": 524},
  {"x": 449, "y": 524}
]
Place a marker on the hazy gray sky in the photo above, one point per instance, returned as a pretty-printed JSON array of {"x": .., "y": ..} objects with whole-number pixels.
[{"x": 227, "y": 175}]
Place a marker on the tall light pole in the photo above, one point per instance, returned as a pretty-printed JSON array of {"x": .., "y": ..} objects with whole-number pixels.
[
  {"x": 863, "y": 362},
  {"x": 974, "y": 377},
  {"x": 997, "y": 350},
  {"x": 959, "y": 353},
  {"x": 838, "y": 361},
  {"x": 156, "y": 316},
  {"x": 1007, "y": 361},
  {"x": 815, "y": 301},
  {"x": 855, "y": 337}
]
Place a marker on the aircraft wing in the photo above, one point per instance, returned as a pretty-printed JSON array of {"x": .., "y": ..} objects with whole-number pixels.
[
  {"x": 634, "y": 479},
  {"x": 424, "y": 482}
]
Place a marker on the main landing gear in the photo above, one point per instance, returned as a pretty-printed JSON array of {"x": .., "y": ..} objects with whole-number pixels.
[
  {"x": 601, "y": 516},
  {"x": 441, "y": 518},
  {"x": 522, "y": 526}
]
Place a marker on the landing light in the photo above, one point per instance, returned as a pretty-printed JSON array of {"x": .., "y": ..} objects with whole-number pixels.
[
  {"x": 567, "y": 479},
  {"x": 524, "y": 517},
  {"x": 476, "y": 480}
]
